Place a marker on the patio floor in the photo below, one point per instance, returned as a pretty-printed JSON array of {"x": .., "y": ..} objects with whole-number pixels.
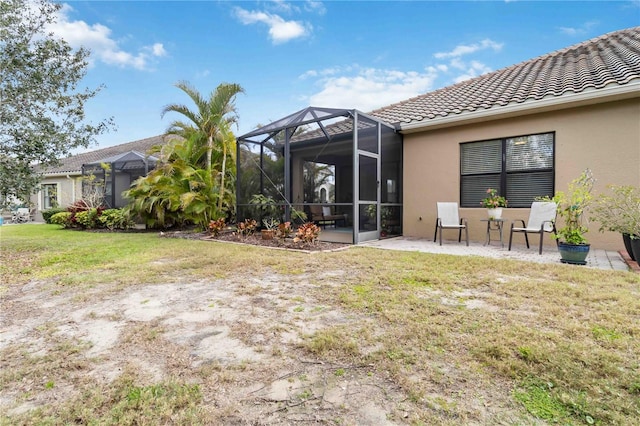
[{"x": 598, "y": 258}]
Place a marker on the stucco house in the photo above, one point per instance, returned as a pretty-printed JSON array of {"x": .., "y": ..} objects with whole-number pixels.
[
  {"x": 526, "y": 130},
  {"x": 63, "y": 185}
]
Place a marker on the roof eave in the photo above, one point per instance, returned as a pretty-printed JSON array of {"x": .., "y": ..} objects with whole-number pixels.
[
  {"x": 587, "y": 97},
  {"x": 62, "y": 174}
]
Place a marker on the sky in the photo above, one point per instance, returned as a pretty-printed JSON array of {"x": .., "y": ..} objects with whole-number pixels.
[{"x": 288, "y": 55}]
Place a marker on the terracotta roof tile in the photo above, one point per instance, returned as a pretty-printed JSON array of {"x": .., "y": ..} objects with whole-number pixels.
[{"x": 611, "y": 59}]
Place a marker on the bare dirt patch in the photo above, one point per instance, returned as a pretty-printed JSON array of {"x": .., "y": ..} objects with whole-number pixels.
[{"x": 240, "y": 338}]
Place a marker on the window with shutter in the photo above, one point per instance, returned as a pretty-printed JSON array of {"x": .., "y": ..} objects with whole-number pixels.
[{"x": 520, "y": 168}]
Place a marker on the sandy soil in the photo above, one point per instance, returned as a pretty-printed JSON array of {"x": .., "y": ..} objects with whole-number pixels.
[{"x": 239, "y": 338}]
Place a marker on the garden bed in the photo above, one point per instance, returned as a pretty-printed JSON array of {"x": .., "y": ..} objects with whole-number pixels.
[{"x": 257, "y": 240}]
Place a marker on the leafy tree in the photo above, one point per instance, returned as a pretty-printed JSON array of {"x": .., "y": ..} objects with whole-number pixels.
[
  {"x": 210, "y": 124},
  {"x": 41, "y": 109}
]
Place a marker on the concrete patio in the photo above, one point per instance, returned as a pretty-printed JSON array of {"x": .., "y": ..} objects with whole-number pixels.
[{"x": 598, "y": 258}]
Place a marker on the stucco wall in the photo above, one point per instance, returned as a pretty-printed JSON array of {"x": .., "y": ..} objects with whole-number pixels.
[
  {"x": 605, "y": 138},
  {"x": 69, "y": 190}
]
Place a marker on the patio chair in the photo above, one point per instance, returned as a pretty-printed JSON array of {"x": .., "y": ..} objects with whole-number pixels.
[
  {"x": 448, "y": 218},
  {"x": 322, "y": 215},
  {"x": 542, "y": 218},
  {"x": 21, "y": 215}
]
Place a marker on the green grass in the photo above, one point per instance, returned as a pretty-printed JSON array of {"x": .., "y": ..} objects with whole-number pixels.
[
  {"x": 74, "y": 258},
  {"x": 539, "y": 343}
]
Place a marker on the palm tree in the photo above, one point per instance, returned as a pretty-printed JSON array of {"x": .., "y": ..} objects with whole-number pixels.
[{"x": 210, "y": 123}]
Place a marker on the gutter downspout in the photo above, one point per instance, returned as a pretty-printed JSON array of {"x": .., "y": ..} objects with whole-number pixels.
[{"x": 73, "y": 189}]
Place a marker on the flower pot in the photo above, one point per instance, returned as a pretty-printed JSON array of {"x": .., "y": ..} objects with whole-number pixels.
[
  {"x": 574, "y": 254},
  {"x": 635, "y": 248},
  {"x": 268, "y": 234},
  {"x": 495, "y": 213},
  {"x": 626, "y": 239}
]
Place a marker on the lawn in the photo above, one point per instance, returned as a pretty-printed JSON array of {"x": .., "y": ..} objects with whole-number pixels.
[{"x": 131, "y": 328}]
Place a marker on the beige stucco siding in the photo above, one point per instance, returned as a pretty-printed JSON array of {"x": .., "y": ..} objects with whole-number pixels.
[
  {"x": 604, "y": 138},
  {"x": 69, "y": 190}
]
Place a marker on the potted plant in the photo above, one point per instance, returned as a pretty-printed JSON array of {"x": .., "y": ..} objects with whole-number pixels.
[
  {"x": 619, "y": 211},
  {"x": 572, "y": 206},
  {"x": 270, "y": 227},
  {"x": 494, "y": 203}
]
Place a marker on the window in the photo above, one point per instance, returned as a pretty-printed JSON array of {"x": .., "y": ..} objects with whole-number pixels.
[
  {"x": 520, "y": 168},
  {"x": 49, "y": 196}
]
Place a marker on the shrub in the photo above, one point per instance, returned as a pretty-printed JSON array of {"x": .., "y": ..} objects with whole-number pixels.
[
  {"x": 115, "y": 219},
  {"x": 63, "y": 219},
  {"x": 298, "y": 216},
  {"x": 284, "y": 230},
  {"x": 307, "y": 233},
  {"x": 87, "y": 219},
  {"x": 78, "y": 206},
  {"x": 47, "y": 214},
  {"x": 246, "y": 228},
  {"x": 216, "y": 226}
]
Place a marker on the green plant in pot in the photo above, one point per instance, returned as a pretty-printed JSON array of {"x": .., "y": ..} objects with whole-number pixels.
[
  {"x": 618, "y": 210},
  {"x": 572, "y": 207},
  {"x": 270, "y": 226}
]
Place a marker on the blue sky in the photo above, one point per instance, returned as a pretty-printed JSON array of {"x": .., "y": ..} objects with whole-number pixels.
[{"x": 289, "y": 55}]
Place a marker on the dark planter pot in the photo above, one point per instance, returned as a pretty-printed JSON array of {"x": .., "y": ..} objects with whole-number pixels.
[
  {"x": 626, "y": 239},
  {"x": 635, "y": 248},
  {"x": 574, "y": 254}
]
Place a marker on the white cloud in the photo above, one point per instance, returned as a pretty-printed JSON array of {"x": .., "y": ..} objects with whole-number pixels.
[
  {"x": 280, "y": 31},
  {"x": 579, "y": 31},
  {"x": 158, "y": 50},
  {"x": 315, "y": 6},
  {"x": 369, "y": 88},
  {"x": 98, "y": 39},
  {"x": 325, "y": 72},
  {"x": 463, "y": 49}
]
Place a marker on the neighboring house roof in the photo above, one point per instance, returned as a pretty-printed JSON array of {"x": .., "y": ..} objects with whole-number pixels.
[
  {"x": 609, "y": 64},
  {"x": 73, "y": 164},
  {"x": 126, "y": 157}
]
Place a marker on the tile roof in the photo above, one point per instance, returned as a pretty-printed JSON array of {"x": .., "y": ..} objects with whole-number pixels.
[
  {"x": 73, "y": 164},
  {"x": 611, "y": 59}
]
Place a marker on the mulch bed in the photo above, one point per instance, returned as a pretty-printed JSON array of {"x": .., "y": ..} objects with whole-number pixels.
[{"x": 257, "y": 240}]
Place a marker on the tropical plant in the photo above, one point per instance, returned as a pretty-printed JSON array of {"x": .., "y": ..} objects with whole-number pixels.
[
  {"x": 265, "y": 206},
  {"x": 298, "y": 216},
  {"x": 62, "y": 218},
  {"x": 88, "y": 219},
  {"x": 307, "y": 233},
  {"x": 115, "y": 219},
  {"x": 572, "y": 207},
  {"x": 247, "y": 228},
  {"x": 284, "y": 230},
  {"x": 47, "y": 214},
  {"x": 176, "y": 193},
  {"x": 216, "y": 226},
  {"x": 209, "y": 126},
  {"x": 270, "y": 223},
  {"x": 493, "y": 200}
]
